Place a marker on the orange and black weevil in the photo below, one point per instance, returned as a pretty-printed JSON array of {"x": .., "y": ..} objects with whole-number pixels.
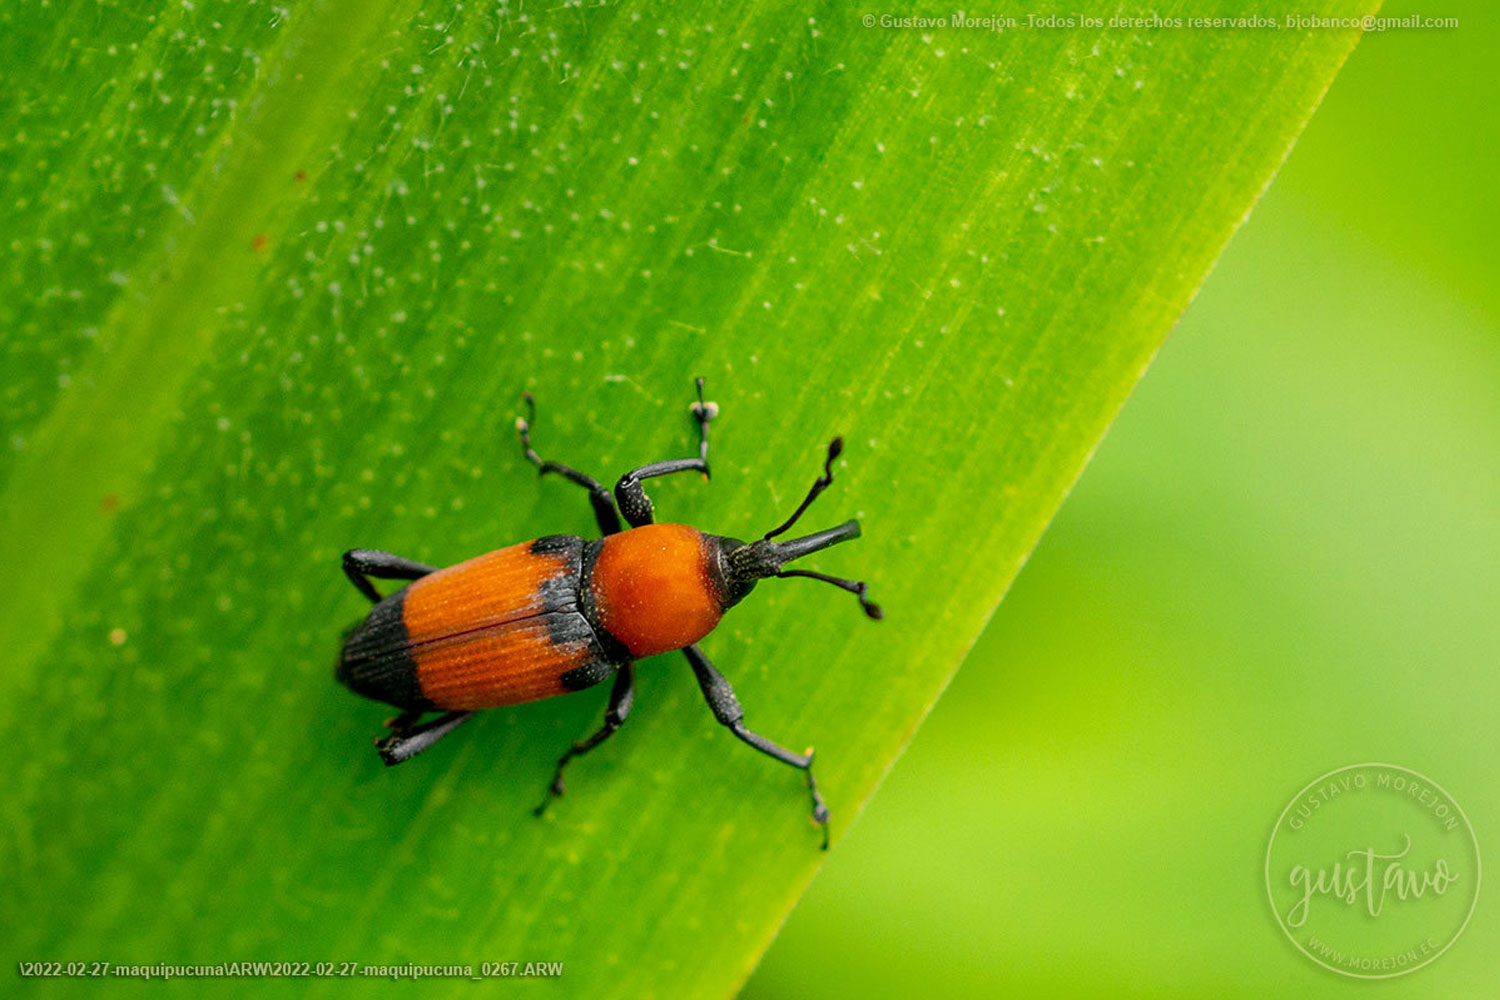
[{"x": 561, "y": 613}]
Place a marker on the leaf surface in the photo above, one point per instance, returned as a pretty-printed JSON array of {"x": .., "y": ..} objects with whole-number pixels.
[{"x": 284, "y": 276}]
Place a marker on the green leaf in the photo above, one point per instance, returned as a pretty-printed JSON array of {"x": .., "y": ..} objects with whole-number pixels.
[{"x": 278, "y": 281}]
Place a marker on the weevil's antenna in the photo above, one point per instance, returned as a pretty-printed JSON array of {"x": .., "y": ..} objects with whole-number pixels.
[
  {"x": 855, "y": 587},
  {"x": 835, "y": 449},
  {"x": 763, "y": 558}
]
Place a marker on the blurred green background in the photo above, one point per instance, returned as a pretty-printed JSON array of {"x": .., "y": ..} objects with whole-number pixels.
[{"x": 1285, "y": 558}]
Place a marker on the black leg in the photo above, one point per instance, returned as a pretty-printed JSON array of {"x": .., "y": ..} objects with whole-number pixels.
[
  {"x": 727, "y": 710},
  {"x": 361, "y": 564},
  {"x": 604, "y": 507},
  {"x": 629, "y": 493},
  {"x": 703, "y": 412},
  {"x": 620, "y": 699},
  {"x": 407, "y": 741}
]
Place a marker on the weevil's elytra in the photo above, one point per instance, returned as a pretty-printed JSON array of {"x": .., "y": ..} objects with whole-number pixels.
[{"x": 561, "y": 613}]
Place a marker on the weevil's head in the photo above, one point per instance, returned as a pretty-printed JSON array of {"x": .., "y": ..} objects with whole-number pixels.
[{"x": 740, "y": 565}]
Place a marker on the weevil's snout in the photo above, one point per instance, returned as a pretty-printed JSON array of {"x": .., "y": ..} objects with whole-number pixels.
[
  {"x": 740, "y": 565},
  {"x": 765, "y": 557},
  {"x": 743, "y": 565}
]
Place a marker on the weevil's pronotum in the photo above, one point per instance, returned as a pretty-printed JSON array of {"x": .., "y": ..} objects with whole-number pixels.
[{"x": 562, "y": 613}]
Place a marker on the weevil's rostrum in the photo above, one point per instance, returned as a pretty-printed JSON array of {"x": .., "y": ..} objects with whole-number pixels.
[{"x": 562, "y": 613}]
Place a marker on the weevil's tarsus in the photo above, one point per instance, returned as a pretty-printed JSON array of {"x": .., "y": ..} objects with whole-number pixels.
[
  {"x": 403, "y": 745},
  {"x": 703, "y": 411}
]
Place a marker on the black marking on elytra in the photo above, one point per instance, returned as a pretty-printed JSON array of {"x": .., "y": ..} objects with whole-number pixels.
[
  {"x": 384, "y": 627},
  {"x": 568, "y": 626},
  {"x": 568, "y": 630},
  {"x": 377, "y": 662},
  {"x": 560, "y": 592},
  {"x": 588, "y": 674},
  {"x": 551, "y": 545},
  {"x": 614, "y": 650}
]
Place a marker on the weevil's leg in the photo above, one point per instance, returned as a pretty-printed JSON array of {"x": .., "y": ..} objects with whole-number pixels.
[
  {"x": 703, "y": 411},
  {"x": 404, "y": 744},
  {"x": 634, "y": 503},
  {"x": 727, "y": 710},
  {"x": 361, "y": 564},
  {"x": 599, "y": 498},
  {"x": 621, "y": 697},
  {"x": 629, "y": 493}
]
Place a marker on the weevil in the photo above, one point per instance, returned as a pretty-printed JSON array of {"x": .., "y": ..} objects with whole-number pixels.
[{"x": 562, "y": 613}]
